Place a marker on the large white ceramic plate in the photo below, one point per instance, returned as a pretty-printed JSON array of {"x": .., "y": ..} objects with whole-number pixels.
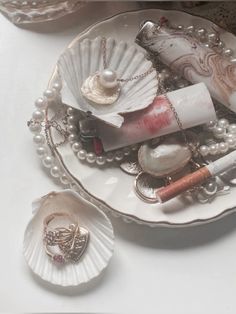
[{"x": 110, "y": 188}]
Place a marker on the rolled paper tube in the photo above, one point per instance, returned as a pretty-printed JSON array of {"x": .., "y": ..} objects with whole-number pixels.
[
  {"x": 192, "y": 104},
  {"x": 188, "y": 57},
  {"x": 196, "y": 178}
]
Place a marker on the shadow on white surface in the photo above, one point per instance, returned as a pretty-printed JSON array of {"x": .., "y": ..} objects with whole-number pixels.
[{"x": 175, "y": 238}]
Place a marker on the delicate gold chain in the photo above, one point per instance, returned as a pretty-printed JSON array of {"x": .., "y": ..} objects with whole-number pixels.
[{"x": 104, "y": 57}]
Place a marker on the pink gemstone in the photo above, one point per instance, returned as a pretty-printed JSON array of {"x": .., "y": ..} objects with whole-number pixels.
[
  {"x": 58, "y": 259},
  {"x": 97, "y": 145}
]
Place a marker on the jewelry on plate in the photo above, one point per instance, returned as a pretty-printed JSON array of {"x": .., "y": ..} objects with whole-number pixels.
[{"x": 64, "y": 244}]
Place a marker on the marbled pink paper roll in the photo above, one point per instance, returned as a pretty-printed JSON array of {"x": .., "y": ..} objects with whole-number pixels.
[
  {"x": 189, "y": 58},
  {"x": 192, "y": 104}
]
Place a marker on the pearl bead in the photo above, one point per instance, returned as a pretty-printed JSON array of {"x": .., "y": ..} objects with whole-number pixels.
[
  {"x": 55, "y": 171},
  {"x": 64, "y": 179},
  {"x": 70, "y": 111},
  {"x": 35, "y": 128},
  {"x": 165, "y": 73},
  {"x": 71, "y": 119},
  {"x": 82, "y": 154},
  {"x": 48, "y": 161},
  {"x": 204, "y": 150},
  {"x": 134, "y": 147},
  {"x": 232, "y": 128},
  {"x": 207, "y": 45},
  {"x": 180, "y": 27},
  {"x": 41, "y": 103},
  {"x": 49, "y": 94},
  {"x": 126, "y": 151},
  {"x": 76, "y": 146},
  {"x": 223, "y": 123},
  {"x": 72, "y": 137},
  {"x": 90, "y": 157},
  {"x": 223, "y": 147},
  {"x": 221, "y": 44},
  {"x": 231, "y": 142},
  {"x": 57, "y": 86},
  {"x": 109, "y": 157},
  {"x": 227, "y": 52},
  {"x": 71, "y": 128},
  {"x": 100, "y": 160},
  {"x": 190, "y": 29},
  {"x": 212, "y": 37},
  {"x": 108, "y": 78},
  {"x": 38, "y": 115},
  {"x": 39, "y": 139},
  {"x": 213, "y": 149},
  {"x": 233, "y": 60},
  {"x": 201, "y": 32},
  {"x": 119, "y": 155},
  {"x": 219, "y": 132},
  {"x": 230, "y": 135},
  {"x": 41, "y": 151}
]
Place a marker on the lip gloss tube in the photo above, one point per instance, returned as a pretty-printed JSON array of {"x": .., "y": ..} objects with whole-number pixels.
[
  {"x": 188, "y": 57},
  {"x": 192, "y": 104}
]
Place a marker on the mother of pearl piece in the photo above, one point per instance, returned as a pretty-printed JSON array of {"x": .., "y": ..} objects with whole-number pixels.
[{"x": 165, "y": 159}]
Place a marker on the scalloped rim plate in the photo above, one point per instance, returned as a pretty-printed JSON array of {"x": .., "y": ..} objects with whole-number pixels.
[{"x": 112, "y": 190}]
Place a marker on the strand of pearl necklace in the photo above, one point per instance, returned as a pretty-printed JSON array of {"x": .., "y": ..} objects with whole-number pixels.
[
  {"x": 221, "y": 129},
  {"x": 39, "y": 139}
]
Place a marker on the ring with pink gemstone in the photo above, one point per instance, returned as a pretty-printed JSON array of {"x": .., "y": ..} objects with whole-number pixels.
[{"x": 64, "y": 244}]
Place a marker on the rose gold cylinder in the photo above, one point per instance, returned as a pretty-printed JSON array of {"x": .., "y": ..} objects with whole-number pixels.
[{"x": 183, "y": 184}]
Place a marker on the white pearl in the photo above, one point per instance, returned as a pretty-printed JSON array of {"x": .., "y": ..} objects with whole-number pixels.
[
  {"x": 72, "y": 137},
  {"x": 221, "y": 44},
  {"x": 82, "y": 154},
  {"x": 223, "y": 147},
  {"x": 109, "y": 157},
  {"x": 210, "y": 188},
  {"x": 39, "y": 139},
  {"x": 190, "y": 29},
  {"x": 55, "y": 171},
  {"x": 232, "y": 128},
  {"x": 207, "y": 45},
  {"x": 126, "y": 151},
  {"x": 38, "y": 115},
  {"x": 204, "y": 150},
  {"x": 231, "y": 142},
  {"x": 71, "y": 128},
  {"x": 119, "y": 155},
  {"x": 35, "y": 127},
  {"x": 41, "y": 151},
  {"x": 134, "y": 147},
  {"x": 71, "y": 120},
  {"x": 49, "y": 94},
  {"x": 201, "y": 32},
  {"x": 57, "y": 86},
  {"x": 165, "y": 73},
  {"x": 180, "y": 27},
  {"x": 213, "y": 149},
  {"x": 90, "y": 157},
  {"x": 70, "y": 111},
  {"x": 64, "y": 179},
  {"x": 76, "y": 146},
  {"x": 108, "y": 78},
  {"x": 212, "y": 37},
  {"x": 41, "y": 103},
  {"x": 230, "y": 135},
  {"x": 219, "y": 132},
  {"x": 233, "y": 60},
  {"x": 227, "y": 52},
  {"x": 48, "y": 161},
  {"x": 223, "y": 123},
  {"x": 100, "y": 160}
]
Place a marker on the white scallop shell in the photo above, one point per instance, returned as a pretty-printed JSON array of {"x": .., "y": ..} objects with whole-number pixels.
[
  {"x": 97, "y": 254},
  {"x": 84, "y": 58}
]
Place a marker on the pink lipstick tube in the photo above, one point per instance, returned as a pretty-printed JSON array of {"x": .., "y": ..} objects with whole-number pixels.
[
  {"x": 188, "y": 57},
  {"x": 192, "y": 104}
]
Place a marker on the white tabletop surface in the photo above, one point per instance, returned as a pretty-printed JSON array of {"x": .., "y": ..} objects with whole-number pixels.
[{"x": 153, "y": 270}]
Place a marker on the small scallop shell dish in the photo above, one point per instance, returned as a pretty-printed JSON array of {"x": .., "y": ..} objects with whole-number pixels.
[
  {"x": 107, "y": 78},
  {"x": 68, "y": 241}
]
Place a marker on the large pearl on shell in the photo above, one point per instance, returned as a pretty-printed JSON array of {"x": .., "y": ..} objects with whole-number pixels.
[
  {"x": 108, "y": 78},
  {"x": 165, "y": 159}
]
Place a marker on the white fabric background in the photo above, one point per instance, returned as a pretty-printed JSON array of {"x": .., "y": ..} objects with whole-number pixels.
[{"x": 153, "y": 270}]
